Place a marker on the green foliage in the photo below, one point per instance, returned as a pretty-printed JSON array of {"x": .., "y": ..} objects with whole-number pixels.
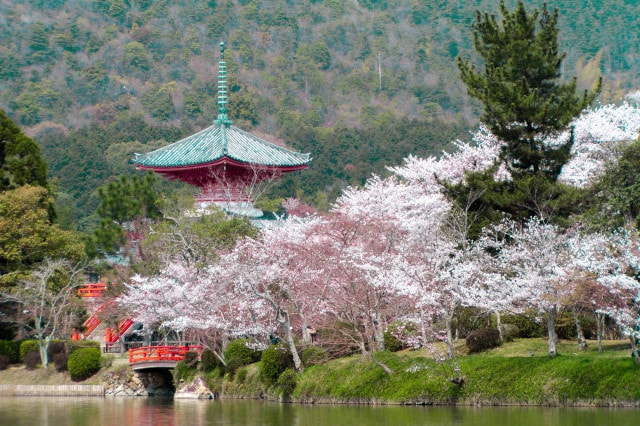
[
  {"x": 123, "y": 201},
  {"x": 523, "y": 101},
  {"x": 287, "y": 381},
  {"x": 509, "y": 332},
  {"x": 273, "y": 362},
  {"x": 524, "y": 105},
  {"x": 483, "y": 339},
  {"x": 159, "y": 102},
  {"x": 527, "y": 324},
  {"x": 238, "y": 354},
  {"x": 241, "y": 375},
  {"x": 136, "y": 56},
  {"x": 83, "y": 363},
  {"x": 28, "y": 346},
  {"x": 184, "y": 372},
  {"x": 208, "y": 361},
  {"x": 11, "y": 349},
  {"x": 617, "y": 192},
  {"x": 314, "y": 355},
  {"x": 28, "y": 236},
  {"x": 392, "y": 343},
  {"x": 21, "y": 162}
]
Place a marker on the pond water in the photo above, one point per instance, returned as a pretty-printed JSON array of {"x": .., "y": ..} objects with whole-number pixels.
[{"x": 168, "y": 412}]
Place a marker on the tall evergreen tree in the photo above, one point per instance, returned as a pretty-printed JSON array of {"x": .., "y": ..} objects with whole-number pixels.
[
  {"x": 524, "y": 102},
  {"x": 528, "y": 108},
  {"x": 20, "y": 160}
]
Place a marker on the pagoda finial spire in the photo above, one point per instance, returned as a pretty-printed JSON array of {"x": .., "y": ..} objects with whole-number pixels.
[{"x": 222, "y": 90}]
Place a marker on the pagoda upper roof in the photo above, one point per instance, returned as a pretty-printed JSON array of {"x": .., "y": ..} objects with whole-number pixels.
[{"x": 220, "y": 141}]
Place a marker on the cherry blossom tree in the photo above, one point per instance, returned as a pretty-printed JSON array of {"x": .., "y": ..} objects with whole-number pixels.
[{"x": 269, "y": 271}]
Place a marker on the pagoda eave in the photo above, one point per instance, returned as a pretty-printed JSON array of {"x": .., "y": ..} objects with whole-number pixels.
[{"x": 224, "y": 161}]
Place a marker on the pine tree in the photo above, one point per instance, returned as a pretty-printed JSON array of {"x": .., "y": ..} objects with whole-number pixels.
[
  {"x": 526, "y": 106},
  {"x": 524, "y": 102}
]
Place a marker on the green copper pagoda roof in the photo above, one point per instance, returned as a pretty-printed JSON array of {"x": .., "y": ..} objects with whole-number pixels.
[{"x": 221, "y": 142}]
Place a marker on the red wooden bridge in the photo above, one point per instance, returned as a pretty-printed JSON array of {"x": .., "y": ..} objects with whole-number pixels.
[{"x": 159, "y": 356}]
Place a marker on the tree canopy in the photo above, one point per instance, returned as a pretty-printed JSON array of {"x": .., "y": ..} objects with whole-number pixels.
[
  {"x": 529, "y": 110},
  {"x": 20, "y": 159},
  {"x": 525, "y": 105}
]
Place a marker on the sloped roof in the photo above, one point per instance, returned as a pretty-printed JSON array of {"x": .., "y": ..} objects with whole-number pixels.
[{"x": 217, "y": 142}]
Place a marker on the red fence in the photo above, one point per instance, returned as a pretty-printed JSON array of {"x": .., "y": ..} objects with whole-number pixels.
[
  {"x": 92, "y": 290},
  {"x": 160, "y": 353}
]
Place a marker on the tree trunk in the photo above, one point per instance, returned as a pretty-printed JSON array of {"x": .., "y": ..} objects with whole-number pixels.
[
  {"x": 379, "y": 364},
  {"x": 634, "y": 349},
  {"x": 499, "y": 325},
  {"x": 283, "y": 319},
  {"x": 582, "y": 342},
  {"x": 453, "y": 361},
  {"x": 551, "y": 327},
  {"x": 378, "y": 332},
  {"x": 43, "y": 346},
  {"x": 600, "y": 329}
]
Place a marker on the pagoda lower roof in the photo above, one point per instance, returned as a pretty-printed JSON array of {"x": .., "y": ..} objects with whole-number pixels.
[{"x": 218, "y": 142}]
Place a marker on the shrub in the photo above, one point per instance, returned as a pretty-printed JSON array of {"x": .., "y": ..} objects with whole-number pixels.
[
  {"x": 28, "y": 346},
  {"x": 11, "y": 349},
  {"x": 275, "y": 360},
  {"x": 392, "y": 343},
  {"x": 483, "y": 339},
  {"x": 287, "y": 381},
  {"x": 509, "y": 332},
  {"x": 208, "y": 361},
  {"x": 60, "y": 361},
  {"x": 527, "y": 324},
  {"x": 467, "y": 319},
  {"x": 313, "y": 355},
  {"x": 238, "y": 354},
  {"x": 241, "y": 350},
  {"x": 32, "y": 360},
  {"x": 4, "y": 362},
  {"x": 55, "y": 348},
  {"x": 84, "y": 363},
  {"x": 184, "y": 372}
]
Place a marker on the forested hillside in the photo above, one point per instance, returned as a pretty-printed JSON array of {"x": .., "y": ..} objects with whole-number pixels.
[{"x": 359, "y": 84}]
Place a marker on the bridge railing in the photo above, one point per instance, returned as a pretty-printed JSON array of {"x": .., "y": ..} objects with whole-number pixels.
[
  {"x": 92, "y": 290},
  {"x": 160, "y": 353}
]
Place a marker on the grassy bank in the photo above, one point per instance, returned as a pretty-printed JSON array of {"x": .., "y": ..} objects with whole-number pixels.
[
  {"x": 518, "y": 373},
  {"x": 515, "y": 373}
]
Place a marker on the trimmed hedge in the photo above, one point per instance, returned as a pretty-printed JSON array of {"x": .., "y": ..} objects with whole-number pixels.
[
  {"x": 84, "y": 363},
  {"x": 11, "y": 349},
  {"x": 28, "y": 346},
  {"x": 32, "y": 360}
]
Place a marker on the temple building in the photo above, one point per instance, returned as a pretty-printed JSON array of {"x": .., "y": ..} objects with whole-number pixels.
[{"x": 223, "y": 161}]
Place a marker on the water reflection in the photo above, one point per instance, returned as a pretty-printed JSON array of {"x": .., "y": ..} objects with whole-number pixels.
[{"x": 167, "y": 412}]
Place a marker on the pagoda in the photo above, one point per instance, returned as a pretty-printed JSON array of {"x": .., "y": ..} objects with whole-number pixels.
[{"x": 223, "y": 161}]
